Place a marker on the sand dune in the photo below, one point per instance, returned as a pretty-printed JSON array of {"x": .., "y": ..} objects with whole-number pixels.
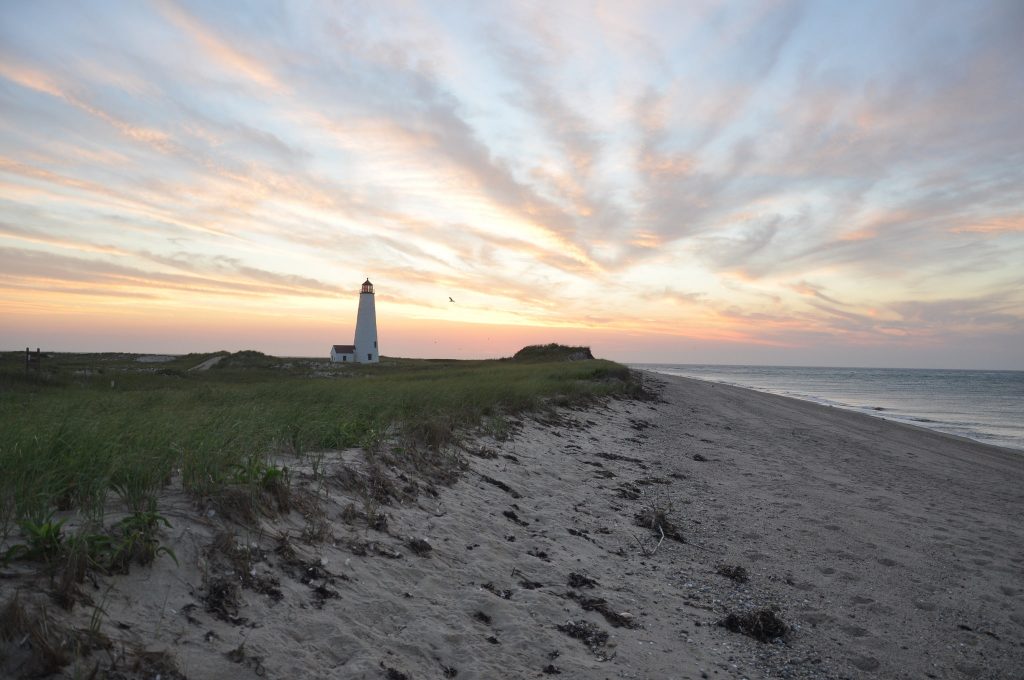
[{"x": 888, "y": 551}]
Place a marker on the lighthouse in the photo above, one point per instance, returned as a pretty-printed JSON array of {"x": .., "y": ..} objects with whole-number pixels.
[{"x": 366, "y": 327}]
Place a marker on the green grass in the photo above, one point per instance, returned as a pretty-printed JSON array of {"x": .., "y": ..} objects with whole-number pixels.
[{"x": 87, "y": 425}]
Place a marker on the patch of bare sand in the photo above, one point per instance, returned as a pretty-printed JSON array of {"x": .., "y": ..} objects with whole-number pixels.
[
  {"x": 889, "y": 552},
  {"x": 207, "y": 364}
]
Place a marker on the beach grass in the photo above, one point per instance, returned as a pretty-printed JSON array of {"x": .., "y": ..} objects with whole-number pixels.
[{"x": 85, "y": 426}]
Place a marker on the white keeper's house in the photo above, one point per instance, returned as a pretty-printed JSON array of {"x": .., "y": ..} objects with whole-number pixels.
[{"x": 365, "y": 350}]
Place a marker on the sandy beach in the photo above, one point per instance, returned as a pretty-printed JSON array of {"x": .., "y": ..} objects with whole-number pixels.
[{"x": 887, "y": 551}]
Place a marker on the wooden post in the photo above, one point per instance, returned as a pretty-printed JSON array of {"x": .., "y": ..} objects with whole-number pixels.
[{"x": 33, "y": 361}]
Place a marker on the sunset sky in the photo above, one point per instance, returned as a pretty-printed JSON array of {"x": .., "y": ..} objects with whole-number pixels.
[{"x": 824, "y": 183}]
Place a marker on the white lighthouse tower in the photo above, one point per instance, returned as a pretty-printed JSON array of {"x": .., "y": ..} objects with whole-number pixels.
[{"x": 366, "y": 351}]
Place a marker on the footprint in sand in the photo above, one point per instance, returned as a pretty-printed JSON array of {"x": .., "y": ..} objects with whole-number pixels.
[
  {"x": 827, "y": 571},
  {"x": 968, "y": 670},
  {"x": 865, "y": 663},
  {"x": 924, "y": 605},
  {"x": 883, "y": 609},
  {"x": 816, "y": 618},
  {"x": 886, "y": 562},
  {"x": 855, "y": 631},
  {"x": 857, "y": 599}
]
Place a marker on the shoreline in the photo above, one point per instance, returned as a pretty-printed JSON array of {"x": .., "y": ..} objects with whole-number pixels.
[
  {"x": 859, "y": 411},
  {"x": 954, "y": 428},
  {"x": 890, "y": 551}
]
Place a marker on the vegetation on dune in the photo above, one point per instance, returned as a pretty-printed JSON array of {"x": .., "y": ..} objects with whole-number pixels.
[
  {"x": 553, "y": 352},
  {"x": 98, "y": 451},
  {"x": 87, "y": 426}
]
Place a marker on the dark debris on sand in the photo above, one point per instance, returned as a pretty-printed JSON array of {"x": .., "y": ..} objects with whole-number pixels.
[
  {"x": 511, "y": 515},
  {"x": 580, "y": 581},
  {"x": 656, "y": 519},
  {"x": 222, "y": 600},
  {"x": 501, "y": 485},
  {"x": 393, "y": 673},
  {"x": 600, "y": 605},
  {"x": 420, "y": 546},
  {"x": 503, "y": 593},
  {"x": 762, "y": 624},
  {"x": 589, "y": 634},
  {"x": 734, "y": 572}
]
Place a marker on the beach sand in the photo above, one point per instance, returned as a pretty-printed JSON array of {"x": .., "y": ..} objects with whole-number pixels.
[{"x": 889, "y": 551}]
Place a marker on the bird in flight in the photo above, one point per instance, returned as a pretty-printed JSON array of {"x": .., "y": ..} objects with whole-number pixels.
[{"x": 450, "y": 299}]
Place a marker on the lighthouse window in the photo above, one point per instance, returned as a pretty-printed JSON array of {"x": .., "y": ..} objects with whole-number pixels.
[
  {"x": 375, "y": 344},
  {"x": 369, "y": 356}
]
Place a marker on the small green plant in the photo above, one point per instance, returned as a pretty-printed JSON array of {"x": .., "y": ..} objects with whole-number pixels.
[
  {"x": 273, "y": 476},
  {"x": 498, "y": 427},
  {"x": 257, "y": 472},
  {"x": 138, "y": 541},
  {"x": 318, "y": 466},
  {"x": 44, "y": 540},
  {"x": 95, "y": 546},
  {"x": 371, "y": 438}
]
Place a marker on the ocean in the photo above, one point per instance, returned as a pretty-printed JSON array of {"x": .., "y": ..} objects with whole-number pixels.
[{"x": 987, "y": 406}]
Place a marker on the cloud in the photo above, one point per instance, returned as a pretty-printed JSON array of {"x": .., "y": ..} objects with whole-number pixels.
[
  {"x": 34, "y": 236},
  {"x": 229, "y": 58},
  {"x": 781, "y": 173},
  {"x": 743, "y": 248},
  {"x": 993, "y": 225},
  {"x": 573, "y": 138},
  {"x": 222, "y": 277},
  {"x": 676, "y": 296},
  {"x": 997, "y": 312},
  {"x": 66, "y": 288},
  {"x": 807, "y": 288}
]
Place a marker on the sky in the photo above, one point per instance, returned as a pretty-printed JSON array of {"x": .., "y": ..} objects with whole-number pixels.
[{"x": 807, "y": 183}]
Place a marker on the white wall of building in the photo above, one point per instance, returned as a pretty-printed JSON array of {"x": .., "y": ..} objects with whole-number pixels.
[{"x": 338, "y": 357}]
